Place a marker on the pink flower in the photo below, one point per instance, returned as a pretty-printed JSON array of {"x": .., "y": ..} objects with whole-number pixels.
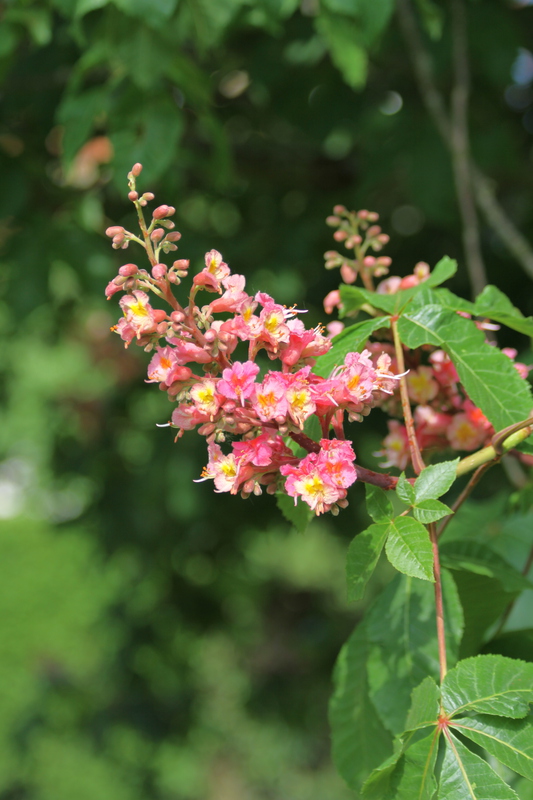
[
  {"x": 215, "y": 271},
  {"x": 160, "y": 367},
  {"x": 273, "y": 329},
  {"x": 187, "y": 350},
  {"x": 233, "y": 297},
  {"x": 299, "y": 397},
  {"x": 421, "y": 385},
  {"x": 332, "y": 300},
  {"x": 221, "y": 468},
  {"x": 238, "y": 381},
  {"x": 204, "y": 396},
  {"x": 269, "y": 402},
  {"x": 138, "y": 313},
  {"x": 395, "y": 446},
  {"x": 321, "y": 479}
]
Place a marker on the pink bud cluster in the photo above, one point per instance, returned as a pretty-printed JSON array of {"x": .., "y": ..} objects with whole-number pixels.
[
  {"x": 358, "y": 231},
  {"x": 268, "y": 412}
]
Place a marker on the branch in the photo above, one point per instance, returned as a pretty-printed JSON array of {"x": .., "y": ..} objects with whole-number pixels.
[
  {"x": 485, "y": 198},
  {"x": 460, "y": 150}
]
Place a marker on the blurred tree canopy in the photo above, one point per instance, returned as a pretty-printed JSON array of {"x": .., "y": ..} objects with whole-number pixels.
[{"x": 157, "y": 640}]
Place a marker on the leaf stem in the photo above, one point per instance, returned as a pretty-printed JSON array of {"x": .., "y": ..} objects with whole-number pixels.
[
  {"x": 439, "y": 603},
  {"x": 416, "y": 457}
]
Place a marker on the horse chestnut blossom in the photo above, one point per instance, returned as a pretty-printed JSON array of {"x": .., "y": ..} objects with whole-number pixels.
[{"x": 221, "y": 396}]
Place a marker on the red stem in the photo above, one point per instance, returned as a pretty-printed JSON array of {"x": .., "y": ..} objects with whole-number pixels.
[{"x": 416, "y": 456}]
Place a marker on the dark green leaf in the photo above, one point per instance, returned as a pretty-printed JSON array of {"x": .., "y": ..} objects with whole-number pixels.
[
  {"x": 409, "y": 549},
  {"x": 508, "y": 740},
  {"x": 430, "y": 511},
  {"x": 363, "y": 555},
  {"x": 432, "y": 17},
  {"x": 465, "y": 776},
  {"x": 489, "y": 685},
  {"x": 513, "y": 644},
  {"x": 360, "y": 742},
  {"x": 299, "y": 515},
  {"x": 378, "y": 504},
  {"x": 487, "y": 374},
  {"x": 414, "y": 775},
  {"x": 476, "y": 557},
  {"x": 484, "y": 602},
  {"x": 435, "y": 481},
  {"x": 495, "y": 305},
  {"x": 350, "y": 340},
  {"x": 405, "y": 490},
  {"x": 403, "y": 639}
]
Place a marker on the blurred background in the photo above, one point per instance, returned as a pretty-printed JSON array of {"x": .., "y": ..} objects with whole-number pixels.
[{"x": 157, "y": 640}]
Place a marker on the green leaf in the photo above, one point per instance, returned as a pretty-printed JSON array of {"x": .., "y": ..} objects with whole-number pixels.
[
  {"x": 424, "y": 705},
  {"x": 405, "y": 490},
  {"x": 299, "y": 515},
  {"x": 465, "y": 776},
  {"x": 414, "y": 776},
  {"x": 488, "y": 376},
  {"x": 435, "y": 481},
  {"x": 430, "y": 511},
  {"x": 484, "y": 602},
  {"x": 348, "y": 53},
  {"x": 480, "y": 559},
  {"x": 378, "y": 504},
  {"x": 359, "y": 739},
  {"x": 363, "y": 555},
  {"x": 403, "y": 643},
  {"x": 513, "y": 644},
  {"x": 432, "y": 17},
  {"x": 409, "y": 549},
  {"x": 495, "y": 305},
  {"x": 508, "y": 740},
  {"x": 489, "y": 685},
  {"x": 350, "y": 340},
  {"x": 354, "y": 297},
  {"x": 371, "y": 16}
]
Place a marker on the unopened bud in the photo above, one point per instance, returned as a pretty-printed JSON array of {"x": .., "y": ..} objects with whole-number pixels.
[
  {"x": 181, "y": 263},
  {"x": 130, "y": 284},
  {"x": 115, "y": 230},
  {"x": 175, "y": 236},
  {"x": 333, "y": 221},
  {"x": 340, "y": 236},
  {"x": 161, "y": 212},
  {"x": 148, "y": 196},
  {"x": 111, "y": 289},
  {"x": 133, "y": 196},
  {"x": 159, "y": 315},
  {"x": 137, "y": 169},
  {"x": 339, "y": 209},
  {"x": 210, "y": 336},
  {"x": 363, "y": 214},
  {"x": 159, "y": 271},
  {"x": 383, "y": 238},
  {"x": 128, "y": 270},
  {"x": 173, "y": 278},
  {"x": 373, "y": 231},
  {"x": 369, "y": 261},
  {"x": 157, "y": 234},
  {"x": 119, "y": 280},
  {"x": 385, "y": 261},
  {"x": 348, "y": 274},
  {"x": 372, "y": 216},
  {"x": 177, "y": 316}
]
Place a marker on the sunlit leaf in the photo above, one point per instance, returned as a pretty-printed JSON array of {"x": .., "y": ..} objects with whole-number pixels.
[
  {"x": 490, "y": 685},
  {"x": 465, "y": 776},
  {"x": 508, "y": 740},
  {"x": 430, "y": 511},
  {"x": 409, "y": 549},
  {"x": 435, "y": 481},
  {"x": 363, "y": 555}
]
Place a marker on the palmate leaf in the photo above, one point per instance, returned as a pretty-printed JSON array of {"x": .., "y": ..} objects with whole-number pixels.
[
  {"x": 508, "y": 740},
  {"x": 409, "y": 549},
  {"x": 486, "y": 373},
  {"x": 353, "y": 297},
  {"x": 490, "y": 685},
  {"x": 403, "y": 646},
  {"x": 350, "y": 340},
  {"x": 359, "y": 739},
  {"x": 465, "y": 776}
]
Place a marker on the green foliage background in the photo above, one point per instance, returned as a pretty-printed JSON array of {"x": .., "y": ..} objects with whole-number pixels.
[{"x": 157, "y": 640}]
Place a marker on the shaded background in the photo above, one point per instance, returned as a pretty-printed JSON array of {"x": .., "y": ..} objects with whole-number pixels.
[{"x": 158, "y": 640}]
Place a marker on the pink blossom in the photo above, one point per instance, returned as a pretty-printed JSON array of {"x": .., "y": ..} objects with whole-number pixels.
[
  {"x": 269, "y": 401},
  {"x": 421, "y": 385},
  {"x": 187, "y": 351},
  {"x": 321, "y": 479},
  {"x": 233, "y": 297},
  {"x": 221, "y": 468},
  {"x": 204, "y": 396},
  {"x": 215, "y": 271},
  {"x": 395, "y": 446},
  {"x": 138, "y": 312},
  {"x": 238, "y": 381},
  {"x": 160, "y": 367},
  {"x": 332, "y": 300},
  {"x": 273, "y": 329},
  {"x": 300, "y": 402}
]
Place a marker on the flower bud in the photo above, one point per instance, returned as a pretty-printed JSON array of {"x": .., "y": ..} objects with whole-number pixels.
[
  {"x": 333, "y": 221},
  {"x": 128, "y": 269},
  {"x": 369, "y": 261},
  {"x": 384, "y": 261},
  {"x": 112, "y": 288},
  {"x": 115, "y": 230},
  {"x": 157, "y": 234},
  {"x": 175, "y": 236},
  {"x": 181, "y": 263},
  {"x": 363, "y": 214},
  {"x": 339, "y": 209},
  {"x": 383, "y": 238},
  {"x": 372, "y": 216},
  {"x": 136, "y": 169},
  {"x": 348, "y": 274},
  {"x": 177, "y": 316},
  {"x": 148, "y": 196},
  {"x": 159, "y": 315},
  {"x": 340, "y": 236},
  {"x": 159, "y": 271},
  {"x": 373, "y": 231},
  {"x": 133, "y": 196},
  {"x": 161, "y": 212}
]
